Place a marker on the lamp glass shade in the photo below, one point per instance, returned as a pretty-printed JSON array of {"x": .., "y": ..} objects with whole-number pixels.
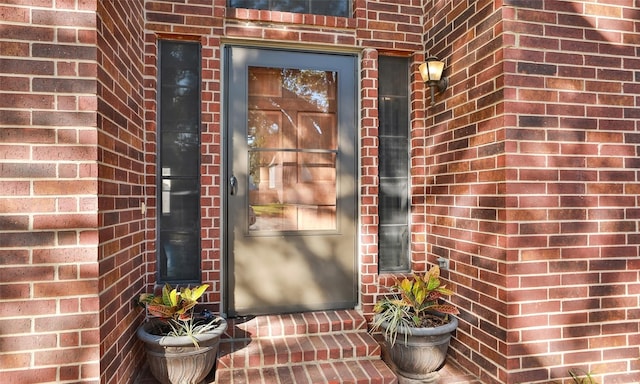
[{"x": 431, "y": 70}]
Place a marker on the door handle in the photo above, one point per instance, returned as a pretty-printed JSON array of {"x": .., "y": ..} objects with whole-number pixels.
[{"x": 233, "y": 185}]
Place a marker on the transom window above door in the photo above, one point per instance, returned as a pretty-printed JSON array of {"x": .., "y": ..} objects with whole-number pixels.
[{"x": 340, "y": 8}]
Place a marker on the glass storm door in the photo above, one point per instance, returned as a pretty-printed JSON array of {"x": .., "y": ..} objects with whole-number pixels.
[{"x": 291, "y": 181}]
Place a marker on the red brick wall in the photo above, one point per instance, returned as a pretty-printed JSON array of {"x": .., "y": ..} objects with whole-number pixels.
[
  {"x": 121, "y": 185},
  {"x": 200, "y": 21},
  {"x": 49, "y": 323},
  {"x": 523, "y": 174},
  {"x": 575, "y": 121},
  {"x": 465, "y": 177},
  {"x": 532, "y": 161}
]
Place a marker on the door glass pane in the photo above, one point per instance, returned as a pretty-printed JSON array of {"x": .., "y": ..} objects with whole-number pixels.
[{"x": 292, "y": 140}]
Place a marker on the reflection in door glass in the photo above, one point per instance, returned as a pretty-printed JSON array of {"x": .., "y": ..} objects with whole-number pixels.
[{"x": 292, "y": 140}]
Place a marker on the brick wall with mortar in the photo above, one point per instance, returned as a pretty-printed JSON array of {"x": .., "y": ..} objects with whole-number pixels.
[
  {"x": 49, "y": 312},
  {"x": 477, "y": 159},
  {"x": 73, "y": 178},
  {"x": 123, "y": 234},
  {"x": 464, "y": 174},
  {"x": 532, "y": 166}
]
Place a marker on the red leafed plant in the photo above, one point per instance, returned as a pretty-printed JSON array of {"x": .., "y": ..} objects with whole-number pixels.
[
  {"x": 173, "y": 304},
  {"x": 415, "y": 303},
  {"x": 175, "y": 308}
]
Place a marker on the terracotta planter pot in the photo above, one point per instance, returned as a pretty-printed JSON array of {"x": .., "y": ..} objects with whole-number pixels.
[
  {"x": 423, "y": 353},
  {"x": 175, "y": 360}
]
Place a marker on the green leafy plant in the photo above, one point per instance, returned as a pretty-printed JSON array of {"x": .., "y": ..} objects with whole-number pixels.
[
  {"x": 586, "y": 378},
  {"x": 175, "y": 309},
  {"x": 415, "y": 303}
]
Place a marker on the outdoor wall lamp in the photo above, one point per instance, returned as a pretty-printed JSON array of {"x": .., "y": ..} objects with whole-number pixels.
[{"x": 431, "y": 72}]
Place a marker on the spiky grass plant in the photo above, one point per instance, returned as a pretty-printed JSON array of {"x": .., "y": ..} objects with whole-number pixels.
[
  {"x": 412, "y": 303},
  {"x": 585, "y": 378}
]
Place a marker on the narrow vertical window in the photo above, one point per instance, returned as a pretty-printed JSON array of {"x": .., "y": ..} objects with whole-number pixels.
[
  {"x": 179, "y": 162},
  {"x": 393, "y": 195}
]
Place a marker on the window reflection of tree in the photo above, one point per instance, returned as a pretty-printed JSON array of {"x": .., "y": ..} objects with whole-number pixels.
[
  {"x": 256, "y": 141},
  {"x": 186, "y": 82},
  {"x": 340, "y": 8},
  {"x": 180, "y": 110},
  {"x": 310, "y": 85},
  {"x": 313, "y": 86}
]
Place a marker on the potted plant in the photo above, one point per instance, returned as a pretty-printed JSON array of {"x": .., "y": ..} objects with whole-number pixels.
[
  {"x": 424, "y": 324},
  {"x": 181, "y": 346},
  {"x": 587, "y": 378}
]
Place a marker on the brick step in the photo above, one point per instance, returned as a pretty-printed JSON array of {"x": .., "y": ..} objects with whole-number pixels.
[
  {"x": 297, "y": 349},
  {"x": 328, "y": 372},
  {"x": 295, "y": 324},
  {"x": 316, "y": 347}
]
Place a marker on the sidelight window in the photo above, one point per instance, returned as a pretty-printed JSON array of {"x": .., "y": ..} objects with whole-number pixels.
[
  {"x": 178, "y": 242},
  {"x": 393, "y": 193}
]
